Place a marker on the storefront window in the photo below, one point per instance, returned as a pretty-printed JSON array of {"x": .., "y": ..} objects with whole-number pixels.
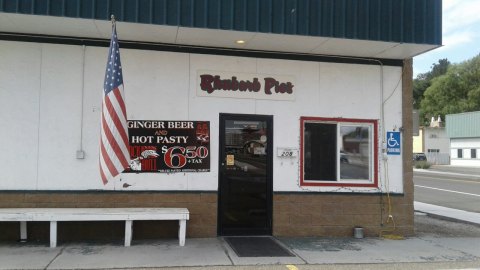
[
  {"x": 355, "y": 152},
  {"x": 338, "y": 152}
]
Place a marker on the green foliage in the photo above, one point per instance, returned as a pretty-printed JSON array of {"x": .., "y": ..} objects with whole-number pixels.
[
  {"x": 456, "y": 91},
  {"x": 422, "y": 165},
  {"x": 424, "y": 80}
]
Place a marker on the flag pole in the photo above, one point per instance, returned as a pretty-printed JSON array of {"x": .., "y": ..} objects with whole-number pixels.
[
  {"x": 114, "y": 145},
  {"x": 112, "y": 19}
]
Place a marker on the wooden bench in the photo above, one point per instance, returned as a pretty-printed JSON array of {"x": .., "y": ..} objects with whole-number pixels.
[{"x": 53, "y": 215}]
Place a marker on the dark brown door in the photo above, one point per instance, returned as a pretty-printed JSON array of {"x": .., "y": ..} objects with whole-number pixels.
[{"x": 245, "y": 175}]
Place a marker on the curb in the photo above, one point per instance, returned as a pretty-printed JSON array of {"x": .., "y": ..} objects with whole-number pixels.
[{"x": 441, "y": 217}]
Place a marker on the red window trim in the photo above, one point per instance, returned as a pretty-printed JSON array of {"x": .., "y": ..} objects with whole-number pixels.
[{"x": 304, "y": 119}]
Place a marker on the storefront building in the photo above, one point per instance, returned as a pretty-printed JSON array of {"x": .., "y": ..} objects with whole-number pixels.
[
  {"x": 464, "y": 132},
  {"x": 302, "y": 130}
]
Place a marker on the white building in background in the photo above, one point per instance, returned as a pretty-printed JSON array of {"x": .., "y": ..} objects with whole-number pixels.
[
  {"x": 434, "y": 142},
  {"x": 464, "y": 132}
]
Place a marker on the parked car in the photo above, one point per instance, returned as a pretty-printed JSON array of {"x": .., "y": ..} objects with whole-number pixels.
[{"x": 419, "y": 157}]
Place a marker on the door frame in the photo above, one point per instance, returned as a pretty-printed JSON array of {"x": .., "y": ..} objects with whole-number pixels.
[{"x": 269, "y": 172}]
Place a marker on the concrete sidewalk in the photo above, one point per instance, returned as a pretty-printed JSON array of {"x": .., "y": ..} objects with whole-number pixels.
[
  {"x": 448, "y": 213},
  {"x": 438, "y": 244},
  {"x": 444, "y": 252}
]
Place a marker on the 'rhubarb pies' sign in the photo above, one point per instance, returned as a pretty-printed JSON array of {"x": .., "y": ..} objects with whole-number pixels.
[{"x": 245, "y": 85}]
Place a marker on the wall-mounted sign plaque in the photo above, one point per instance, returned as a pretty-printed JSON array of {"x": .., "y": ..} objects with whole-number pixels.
[{"x": 245, "y": 85}]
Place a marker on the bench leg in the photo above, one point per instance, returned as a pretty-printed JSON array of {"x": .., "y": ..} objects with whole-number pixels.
[
  {"x": 182, "y": 225},
  {"x": 53, "y": 234},
  {"x": 128, "y": 232},
  {"x": 23, "y": 231}
]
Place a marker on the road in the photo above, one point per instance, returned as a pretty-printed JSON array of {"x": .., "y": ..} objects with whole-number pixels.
[{"x": 453, "y": 190}]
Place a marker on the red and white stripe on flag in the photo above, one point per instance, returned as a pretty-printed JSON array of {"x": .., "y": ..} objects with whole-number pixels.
[{"x": 114, "y": 154}]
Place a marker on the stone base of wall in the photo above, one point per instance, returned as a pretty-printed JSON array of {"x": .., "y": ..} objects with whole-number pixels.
[
  {"x": 202, "y": 207},
  {"x": 332, "y": 215}
]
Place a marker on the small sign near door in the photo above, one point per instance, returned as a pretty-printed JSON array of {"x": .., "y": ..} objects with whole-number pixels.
[
  {"x": 230, "y": 160},
  {"x": 286, "y": 152},
  {"x": 393, "y": 143}
]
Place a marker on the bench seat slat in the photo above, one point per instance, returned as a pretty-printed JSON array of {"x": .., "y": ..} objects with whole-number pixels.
[{"x": 92, "y": 214}]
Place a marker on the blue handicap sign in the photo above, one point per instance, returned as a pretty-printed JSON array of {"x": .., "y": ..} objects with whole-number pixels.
[{"x": 393, "y": 143}]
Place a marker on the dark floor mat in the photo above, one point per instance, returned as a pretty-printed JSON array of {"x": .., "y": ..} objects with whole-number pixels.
[{"x": 257, "y": 247}]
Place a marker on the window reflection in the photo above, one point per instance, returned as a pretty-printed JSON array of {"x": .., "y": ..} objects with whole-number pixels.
[
  {"x": 246, "y": 143},
  {"x": 355, "y": 152}
]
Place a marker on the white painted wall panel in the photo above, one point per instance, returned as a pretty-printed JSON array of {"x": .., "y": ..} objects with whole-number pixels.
[
  {"x": 156, "y": 84},
  {"x": 391, "y": 179},
  {"x": 162, "y": 86},
  {"x": 60, "y": 117},
  {"x": 287, "y": 116},
  {"x": 19, "y": 113},
  {"x": 344, "y": 95},
  {"x": 465, "y": 143},
  {"x": 95, "y": 63},
  {"x": 465, "y": 162}
]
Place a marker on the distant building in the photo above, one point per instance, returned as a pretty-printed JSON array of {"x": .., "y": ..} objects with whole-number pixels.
[
  {"x": 464, "y": 132},
  {"x": 434, "y": 142}
]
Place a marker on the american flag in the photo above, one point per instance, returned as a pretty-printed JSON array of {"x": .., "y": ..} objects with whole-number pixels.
[{"x": 114, "y": 155}]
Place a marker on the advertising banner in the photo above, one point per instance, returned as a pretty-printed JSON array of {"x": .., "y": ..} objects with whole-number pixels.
[{"x": 169, "y": 146}]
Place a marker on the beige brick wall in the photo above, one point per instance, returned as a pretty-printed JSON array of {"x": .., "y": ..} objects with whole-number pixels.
[
  {"x": 202, "y": 207},
  {"x": 294, "y": 214},
  {"x": 331, "y": 215}
]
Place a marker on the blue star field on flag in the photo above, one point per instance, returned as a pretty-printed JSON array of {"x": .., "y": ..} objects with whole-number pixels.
[{"x": 113, "y": 74}]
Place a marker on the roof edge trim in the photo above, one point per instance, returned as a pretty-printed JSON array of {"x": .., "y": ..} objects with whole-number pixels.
[{"x": 125, "y": 44}]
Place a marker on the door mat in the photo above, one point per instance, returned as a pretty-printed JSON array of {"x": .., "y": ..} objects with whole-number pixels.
[{"x": 257, "y": 247}]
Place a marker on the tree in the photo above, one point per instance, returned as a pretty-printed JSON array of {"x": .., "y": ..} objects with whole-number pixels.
[
  {"x": 456, "y": 91},
  {"x": 424, "y": 80}
]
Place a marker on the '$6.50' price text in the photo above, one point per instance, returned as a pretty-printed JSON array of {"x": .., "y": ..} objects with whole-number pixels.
[{"x": 177, "y": 156}]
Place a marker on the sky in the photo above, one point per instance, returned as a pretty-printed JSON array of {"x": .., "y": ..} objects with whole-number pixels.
[{"x": 461, "y": 35}]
